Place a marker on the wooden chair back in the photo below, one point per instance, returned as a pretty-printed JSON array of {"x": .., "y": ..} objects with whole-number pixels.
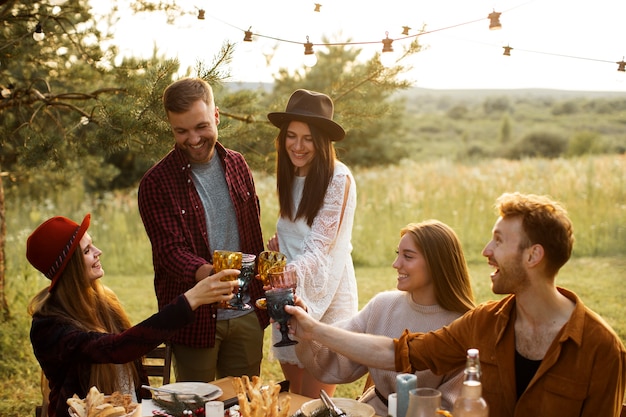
[{"x": 158, "y": 363}]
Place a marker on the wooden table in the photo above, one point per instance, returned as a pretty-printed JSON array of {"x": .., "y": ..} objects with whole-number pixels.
[{"x": 226, "y": 385}]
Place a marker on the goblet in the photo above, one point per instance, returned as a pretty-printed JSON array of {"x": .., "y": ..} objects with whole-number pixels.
[
  {"x": 287, "y": 278},
  {"x": 247, "y": 272},
  {"x": 277, "y": 299},
  {"x": 273, "y": 260},
  {"x": 223, "y": 259}
]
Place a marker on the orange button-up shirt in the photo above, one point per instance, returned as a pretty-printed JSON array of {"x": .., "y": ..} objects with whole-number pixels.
[{"x": 582, "y": 374}]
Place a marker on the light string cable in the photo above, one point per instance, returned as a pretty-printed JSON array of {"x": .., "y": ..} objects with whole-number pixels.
[{"x": 420, "y": 33}]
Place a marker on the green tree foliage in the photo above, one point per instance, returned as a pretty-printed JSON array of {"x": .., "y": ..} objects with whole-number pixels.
[
  {"x": 538, "y": 144},
  {"x": 586, "y": 143},
  {"x": 457, "y": 112},
  {"x": 50, "y": 87},
  {"x": 505, "y": 129},
  {"x": 496, "y": 105},
  {"x": 566, "y": 107},
  {"x": 66, "y": 107}
]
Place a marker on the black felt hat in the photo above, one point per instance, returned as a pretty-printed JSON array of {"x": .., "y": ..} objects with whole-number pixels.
[{"x": 310, "y": 107}]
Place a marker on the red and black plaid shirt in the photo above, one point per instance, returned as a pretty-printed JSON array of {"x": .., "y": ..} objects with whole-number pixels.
[{"x": 175, "y": 222}]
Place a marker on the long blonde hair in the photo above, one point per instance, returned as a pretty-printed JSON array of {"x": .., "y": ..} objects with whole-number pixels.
[
  {"x": 90, "y": 306},
  {"x": 445, "y": 259}
]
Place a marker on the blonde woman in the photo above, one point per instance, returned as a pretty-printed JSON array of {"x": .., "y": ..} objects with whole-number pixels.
[{"x": 433, "y": 289}]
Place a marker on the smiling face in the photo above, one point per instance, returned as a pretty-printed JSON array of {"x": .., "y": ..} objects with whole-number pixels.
[
  {"x": 300, "y": 146},
  {"x": 505, "y": 253},
  {"x": 91, "y": 255},
  {"x": 195, "y": 131},
  {"x": 413, "y": 273}
]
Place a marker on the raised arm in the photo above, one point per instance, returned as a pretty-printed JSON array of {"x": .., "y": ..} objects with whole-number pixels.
[{"x": 370, "y": 350}]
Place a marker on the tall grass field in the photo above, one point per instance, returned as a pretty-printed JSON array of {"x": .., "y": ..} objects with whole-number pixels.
[{"x": 593, "y": 190}]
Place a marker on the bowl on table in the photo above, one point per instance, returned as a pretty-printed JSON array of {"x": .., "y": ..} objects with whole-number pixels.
[{"x": 352, "y": 408}]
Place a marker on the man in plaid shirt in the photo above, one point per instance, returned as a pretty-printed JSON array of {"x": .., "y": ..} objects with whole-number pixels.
[{"x": 201, "y": 197}]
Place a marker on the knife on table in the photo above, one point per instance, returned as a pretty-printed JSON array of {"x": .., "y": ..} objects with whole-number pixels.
[{"x": 284, "y": 387}]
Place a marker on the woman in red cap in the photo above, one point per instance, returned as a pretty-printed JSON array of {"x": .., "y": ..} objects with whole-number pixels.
[
  {"x": 317, "y": 197},
  {"x": 80, "y": 333}
]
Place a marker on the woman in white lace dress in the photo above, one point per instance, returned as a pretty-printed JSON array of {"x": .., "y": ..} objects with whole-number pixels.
[{"x": 317, "y": 197}]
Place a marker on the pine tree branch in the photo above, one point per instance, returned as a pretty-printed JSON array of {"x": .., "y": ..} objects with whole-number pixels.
[{"x": 29, "y": 97}]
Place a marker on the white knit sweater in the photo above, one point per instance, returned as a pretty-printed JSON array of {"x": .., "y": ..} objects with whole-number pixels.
[{"x": 389, "y": 313}]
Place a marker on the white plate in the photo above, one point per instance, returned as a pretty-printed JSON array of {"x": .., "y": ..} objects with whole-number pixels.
[{"x": 189, "y": 389}]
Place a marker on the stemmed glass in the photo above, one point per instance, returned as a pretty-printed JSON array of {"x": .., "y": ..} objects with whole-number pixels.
[
  {"x": 223, "y": 259},
  {"x": 247, "y": 272},
  {"x": 270, "y": 261},
  {"x": 287, "y": 278},
  {"x": 277, "y": 299}
]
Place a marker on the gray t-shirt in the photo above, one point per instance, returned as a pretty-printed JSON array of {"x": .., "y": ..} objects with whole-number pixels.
[{"x": 221, "y": 219}]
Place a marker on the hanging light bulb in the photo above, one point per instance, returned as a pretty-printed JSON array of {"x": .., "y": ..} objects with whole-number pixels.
[
  {"x": 494, "y": 20},
  {"x": 317, "y": 7},
  {"x": 248, "y": 47},
  {"x": 621, "y": 65},
  {"x": 201, "y": 14},
  {"x": 507, "y": 50},
  {"x": 248, "y": 35},
  {"x": 405, "y": 30},
  {"x": 38, "y": 34},
  {"x": 309, "y": 55},
  {"x": 387, "y": 58}
]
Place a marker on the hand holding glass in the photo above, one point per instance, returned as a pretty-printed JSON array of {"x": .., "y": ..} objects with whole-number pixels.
[
  {"x": 223, "y": 259},
  {"x": 247, "y": 272},
  {"x": 276, "y": 300}
]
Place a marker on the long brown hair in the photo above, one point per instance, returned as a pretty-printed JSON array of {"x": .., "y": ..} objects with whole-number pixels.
[
  {"x": 445, "y": 260},
  {"x": 90, "y": 306},
  {"x": 317, "y": 179}
]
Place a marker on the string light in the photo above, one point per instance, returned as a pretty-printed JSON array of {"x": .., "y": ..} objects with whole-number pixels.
[
  {"x": 494, "y": 17},
  {"x": 494, "y": 20},
  {"x": 317, "y": 7},
  {"x": 387, "y": 58},
  {"x": 309, "y": 55},
  {"x": 248, "y": 35},
  {"x": 38, "y": 34},
  {"x": 5, "y": 92}
]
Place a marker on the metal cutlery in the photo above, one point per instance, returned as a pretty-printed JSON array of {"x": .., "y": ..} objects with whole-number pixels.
[
  {"x": 171, "y": 391},
  {"x": 331, "y": 405}
]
